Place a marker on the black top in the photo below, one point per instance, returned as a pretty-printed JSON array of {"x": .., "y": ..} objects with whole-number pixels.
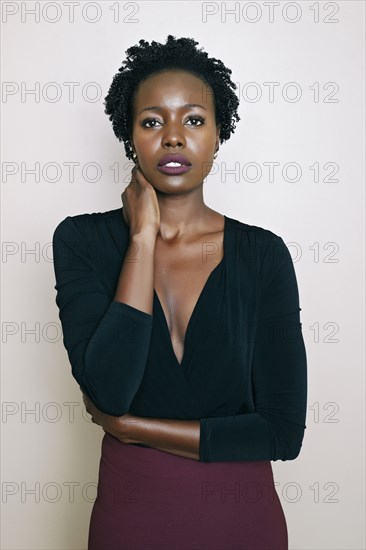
[{"x": 244, "y": 369}]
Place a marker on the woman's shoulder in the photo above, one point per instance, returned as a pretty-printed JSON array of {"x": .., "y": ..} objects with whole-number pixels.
[
  {"x": 254, "y": 232},
  {"x": 88, "y": 222},
  {"x": 260, "y": 244}
]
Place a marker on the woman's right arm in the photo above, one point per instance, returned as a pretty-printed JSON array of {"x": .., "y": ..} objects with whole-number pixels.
[
  {"x": 107, "y": 341},
  {"x": 141, "y": 213}
]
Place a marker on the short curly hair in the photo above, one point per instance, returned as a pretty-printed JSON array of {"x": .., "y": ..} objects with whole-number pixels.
[{"x": 177, "y": 53}]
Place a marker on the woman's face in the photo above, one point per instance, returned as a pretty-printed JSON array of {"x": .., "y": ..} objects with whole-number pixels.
[{"x": 164, "y": 123}]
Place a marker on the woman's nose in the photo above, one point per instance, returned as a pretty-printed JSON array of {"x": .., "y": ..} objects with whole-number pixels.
[{"x": 173, "y": 134}]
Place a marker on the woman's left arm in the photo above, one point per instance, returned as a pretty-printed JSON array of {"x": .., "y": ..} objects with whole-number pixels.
[{"x": 178, "y": 437}]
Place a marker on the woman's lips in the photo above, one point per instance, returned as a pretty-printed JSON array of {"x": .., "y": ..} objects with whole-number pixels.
[{"x": 173, "y": 170}]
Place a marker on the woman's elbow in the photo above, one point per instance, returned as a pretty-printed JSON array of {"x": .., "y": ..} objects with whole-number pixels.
[{"x": 289, "y": 449}]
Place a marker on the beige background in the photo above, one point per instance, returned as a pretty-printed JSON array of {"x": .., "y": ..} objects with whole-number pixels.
[{"x": 50, "y": 456}]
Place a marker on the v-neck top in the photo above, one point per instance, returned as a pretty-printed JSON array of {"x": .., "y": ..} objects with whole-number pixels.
[
  {"x": 243, "y": 374},
  {"x": 160, "y": 312}
]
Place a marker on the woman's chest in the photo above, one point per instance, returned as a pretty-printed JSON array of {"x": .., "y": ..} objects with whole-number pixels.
[
  {"x": 214, "y": 375},
  {"x": 180, "y": 279}
]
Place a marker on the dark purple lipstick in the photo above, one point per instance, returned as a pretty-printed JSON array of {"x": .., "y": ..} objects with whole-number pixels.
[{"x": 174, "y": 164}]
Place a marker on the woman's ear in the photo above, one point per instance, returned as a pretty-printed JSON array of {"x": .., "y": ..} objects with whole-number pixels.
[{"x": 218, "y": 130}]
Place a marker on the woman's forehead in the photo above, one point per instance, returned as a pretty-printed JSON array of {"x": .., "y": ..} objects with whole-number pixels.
[{"x": 176, "y": 89}]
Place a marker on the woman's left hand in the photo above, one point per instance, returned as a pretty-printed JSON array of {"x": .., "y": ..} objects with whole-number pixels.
[{"x": 118, "y": 426}]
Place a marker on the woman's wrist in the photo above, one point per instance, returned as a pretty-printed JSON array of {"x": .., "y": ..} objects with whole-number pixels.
[{"x": 125, "y": 428}]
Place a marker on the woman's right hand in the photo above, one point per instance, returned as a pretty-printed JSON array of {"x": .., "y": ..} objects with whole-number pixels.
[{"x": 140, "y": 204}]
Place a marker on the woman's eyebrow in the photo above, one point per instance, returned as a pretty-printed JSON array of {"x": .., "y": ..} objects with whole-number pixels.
[{"x": 187, "y": 105}]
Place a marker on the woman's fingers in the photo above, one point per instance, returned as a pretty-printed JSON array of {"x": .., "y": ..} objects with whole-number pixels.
[{"x": 91, "y": 408}]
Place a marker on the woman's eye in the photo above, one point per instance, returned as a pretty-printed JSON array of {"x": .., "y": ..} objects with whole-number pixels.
[
  {"x": 149, "y": 120},
  {"x": 200, "y": 119}
]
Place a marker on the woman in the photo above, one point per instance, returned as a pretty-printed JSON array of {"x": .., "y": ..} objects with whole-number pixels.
[{"x": 182, "y": 326}]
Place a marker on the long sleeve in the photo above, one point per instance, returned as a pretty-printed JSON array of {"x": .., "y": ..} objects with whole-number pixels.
[
  {"x": 107, "y": 341},
  {"x": 276, "y": 428}
]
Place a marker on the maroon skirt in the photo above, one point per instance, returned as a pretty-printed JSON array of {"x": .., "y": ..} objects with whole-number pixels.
[{"x": 149, "y": 499}]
